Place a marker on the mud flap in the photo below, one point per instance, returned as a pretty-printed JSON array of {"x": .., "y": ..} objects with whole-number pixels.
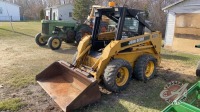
[{"x": 69, "y": 88}]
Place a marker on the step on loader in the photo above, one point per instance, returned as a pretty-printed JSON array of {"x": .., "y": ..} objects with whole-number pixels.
[{"x": 111, "y": 57}]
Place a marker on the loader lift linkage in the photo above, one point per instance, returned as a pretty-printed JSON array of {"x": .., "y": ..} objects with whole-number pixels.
[{"x": 111, "y": 57}]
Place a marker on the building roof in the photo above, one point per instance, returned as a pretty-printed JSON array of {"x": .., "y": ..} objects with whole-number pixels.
[
  {"x": 174, "y": 4},
  {"x": 10, "y": 3},
  {"x": 57, "y": 6}
]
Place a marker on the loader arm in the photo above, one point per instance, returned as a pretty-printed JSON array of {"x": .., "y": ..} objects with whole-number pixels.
[{"x": 83, "y": 47}]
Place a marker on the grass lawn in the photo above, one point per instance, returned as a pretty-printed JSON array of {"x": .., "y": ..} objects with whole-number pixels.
[
  {"x": 188, "y": 59},
  {"x": 21, "y": 60},
  {"x": 13, "y": 104}
]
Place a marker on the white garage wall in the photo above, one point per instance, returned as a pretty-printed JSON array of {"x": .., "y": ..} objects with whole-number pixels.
[
  {"x": 170, "y": 28},
  {"x": 62, "y": 12},
  {"x": 55, "y": 11},
  {"x": 13, "y": 12},
  {"x": 48, "y": 13}
]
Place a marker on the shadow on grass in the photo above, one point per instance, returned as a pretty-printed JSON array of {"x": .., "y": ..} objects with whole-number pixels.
[
  {"x": 17, "y": 32},
  {"x": 140, "y": 96},
  {"x": 174, "y": 57}
]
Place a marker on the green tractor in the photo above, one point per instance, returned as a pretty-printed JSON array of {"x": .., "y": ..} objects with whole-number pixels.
[
  {"x": 54, "y": 32},
  {"x": 198, "y": 66}
]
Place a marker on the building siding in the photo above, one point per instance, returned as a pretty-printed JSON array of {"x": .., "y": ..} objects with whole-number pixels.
[
  {"x": 9, "y": 12},
  {"x": 54, "y": 10},
  {"x": 64, "y": 11},
  {"x": 169, "y": 35},
  {"x": 182, "y": 29},
  {"x": 61, "y": 12},
  {"x": 186, "y": 7}
]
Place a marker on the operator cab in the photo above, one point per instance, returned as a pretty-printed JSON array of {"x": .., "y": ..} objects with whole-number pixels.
[{"x": 123, "y": 23}]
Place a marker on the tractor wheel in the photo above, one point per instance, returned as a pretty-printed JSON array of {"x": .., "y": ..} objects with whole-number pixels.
[
  {"x": 198, "y": 70},
  {"x": 54, "y": 43},
  {"x": 78, "y": 37},
  {"x": 39, "y": 39},
  {"x": 145, "y": 67},
  {"x": 70, "y": 36},
  {"x": 117, "y": 75},
  {"x": 82, "y": 32}
]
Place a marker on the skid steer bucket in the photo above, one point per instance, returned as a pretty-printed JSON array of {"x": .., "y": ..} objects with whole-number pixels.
[{"x": 69, "y": 87}]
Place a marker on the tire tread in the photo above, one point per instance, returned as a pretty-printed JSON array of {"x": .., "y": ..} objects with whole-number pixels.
[
  {"x": 140, "y": 67},
  {"x": 110, "y": 77},
  {"x": 50, "y": 43}
]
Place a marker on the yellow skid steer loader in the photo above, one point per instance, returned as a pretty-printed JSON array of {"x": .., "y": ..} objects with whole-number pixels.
[{"x": 111, "y": 57}]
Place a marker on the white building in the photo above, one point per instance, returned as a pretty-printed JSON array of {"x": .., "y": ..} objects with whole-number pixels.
[
  {"x": 61, "y": 12},
  {"x": 9, "y": 11},
  {"x": 183, "y": 26}
]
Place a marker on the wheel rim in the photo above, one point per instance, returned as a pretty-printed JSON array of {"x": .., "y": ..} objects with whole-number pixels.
[
  {"x": 149, "y": 69},
  {"x": 41, "y": 40},
  {"x": 55, "y": 43},
  {"x": 122, "y": 76}
]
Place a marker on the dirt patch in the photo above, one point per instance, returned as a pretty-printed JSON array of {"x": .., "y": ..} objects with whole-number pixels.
[
  {"x": 172, "y": 70},
  {"x": 36, "y": 100},
  {"x": 20, "y": 60}
]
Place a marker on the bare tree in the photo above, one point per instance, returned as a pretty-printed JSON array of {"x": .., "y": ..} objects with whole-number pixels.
[
  {"x": 157, "y": 15},
  {"x": 68, "y": 1},
  {"x": 30, "y": 8},
  {"x": 53, "y": 2}
]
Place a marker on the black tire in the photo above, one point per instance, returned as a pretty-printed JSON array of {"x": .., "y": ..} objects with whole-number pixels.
[
  {"x": 111, "y": 73},
  {"x": 78, "y": 37},
  {"x": 198, "y": 69},
  {"x": 40, "y": 40},
  {"x": 82, "y": 32},
  {"x": 54, "y": 43},
  {"x": 70, "y": 36},
  {"x": 140, "y": 67}
]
